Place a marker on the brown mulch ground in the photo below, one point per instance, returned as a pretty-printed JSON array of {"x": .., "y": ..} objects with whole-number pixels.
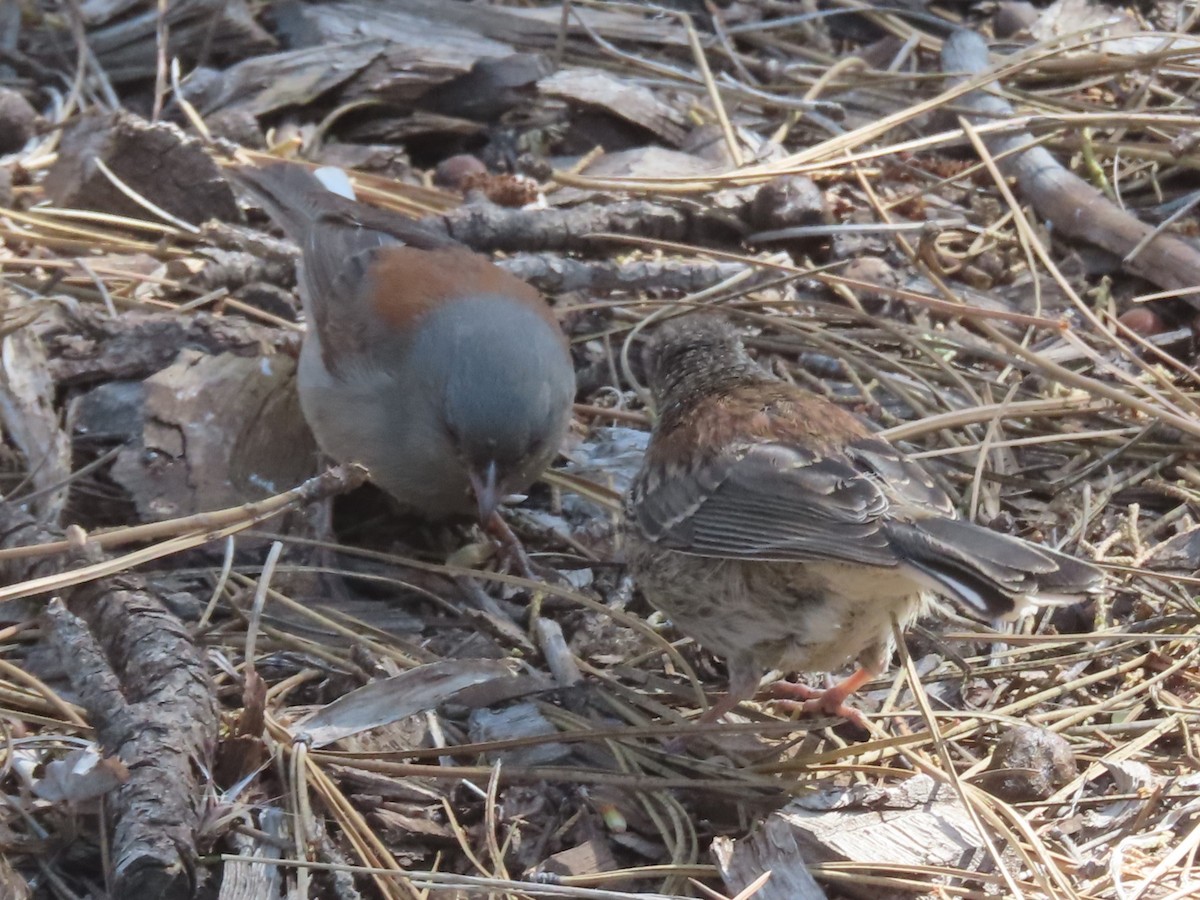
[{"x": 993, "y": 258}]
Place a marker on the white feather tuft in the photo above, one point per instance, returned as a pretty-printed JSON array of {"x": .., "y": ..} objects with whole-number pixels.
[{"x": 336, "y": 181}]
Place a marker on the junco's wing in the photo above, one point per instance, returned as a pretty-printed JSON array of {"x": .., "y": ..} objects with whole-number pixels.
[{"x": 338, "y": 257}]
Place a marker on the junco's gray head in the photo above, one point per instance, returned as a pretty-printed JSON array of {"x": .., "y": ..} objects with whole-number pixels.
[{"x": 504, "y": 403}]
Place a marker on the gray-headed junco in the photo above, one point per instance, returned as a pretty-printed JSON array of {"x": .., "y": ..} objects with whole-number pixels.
[
  {"x": 777, "y": 531},
  {"x": 448, "y": 378}
]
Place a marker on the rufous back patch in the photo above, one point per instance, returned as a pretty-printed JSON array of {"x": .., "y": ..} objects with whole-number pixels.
[
  {"x": 408, "y": 282},
  {"x": 759, "y": 412}
]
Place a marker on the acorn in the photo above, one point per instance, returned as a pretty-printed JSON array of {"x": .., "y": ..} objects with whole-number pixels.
[
  {"x": 1142, "y": 320},
  {"x": 454, "y": 171}
]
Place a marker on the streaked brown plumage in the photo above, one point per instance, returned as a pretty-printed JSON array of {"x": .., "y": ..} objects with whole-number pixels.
[{"x": 775, "y": 530}]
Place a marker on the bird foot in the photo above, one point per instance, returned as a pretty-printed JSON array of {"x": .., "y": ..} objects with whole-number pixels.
[
  {"x": 511, "y": 546},
  {"x": 830, "y": 701}
]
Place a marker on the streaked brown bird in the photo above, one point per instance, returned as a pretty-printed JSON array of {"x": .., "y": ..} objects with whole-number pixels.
[
  {"x": 773, "y": 528},
  {"x": 447, "y": 377}
]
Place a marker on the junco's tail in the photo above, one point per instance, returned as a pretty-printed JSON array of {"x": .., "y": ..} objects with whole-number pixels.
[
  {"x": 297, "y": 200},
  {"x": 290, "y": 194},
  {"x": 995, "y": 576}
]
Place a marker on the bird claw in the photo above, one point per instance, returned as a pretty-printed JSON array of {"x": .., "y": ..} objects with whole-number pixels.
[
  {"x": 813, "y": 701},
  {"x": 513, "y": 551},
  {"x": 820, "y": 706}
]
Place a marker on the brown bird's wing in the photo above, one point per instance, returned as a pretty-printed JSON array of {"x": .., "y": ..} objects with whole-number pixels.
[
  {"x": 867, "y": 504},
  {"x": 992, "y": 575},
  {"x": 777, "y": 501}
]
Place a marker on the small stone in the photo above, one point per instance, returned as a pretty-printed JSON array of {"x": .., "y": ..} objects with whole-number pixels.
[
  {"x": 18, "y": 120},
  {"x": 787, "y": 202},
  {"x": 871, "y": 270},
  {"x": 1013, "y": 17},
  {"x": 976, "y": 278},
  {"x": 1029, "y": 763},
  {"x": 1142, "y": 320},
  {"x": 238, "y": 125},
  {"x": 454, "y": 171}
]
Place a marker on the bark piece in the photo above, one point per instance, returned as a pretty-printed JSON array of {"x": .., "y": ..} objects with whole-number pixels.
[
  {"x": 30, "y": 422},
  {"x": 1074, "y": 207},
  {"x": 917, "y": 822},
  {"x": 1068, "y": 17},
  {"x": 242, "y": 880},
  {"x": 218, "y": 431},
  {"x": 146, "y": 691},
  {"x": 1179, "y": 553},
  {"x": 419, "y": 31},
  {"x": 554, "y": 274},
  {"x": 412, "y": 833},
  {"x": 12, "y": 885},
  {"x": 159, "y": 161},
  {"x": 394, "y": 53},
  {"x": 127, "y": 48},
  {"x": 514, "y": 26},
  {"x": 487, "y": 227},
  {"x": 91, "y": 346},
  {"x": 80, "y": 777},
  {"x": 267, "y": 84},
  {"x": 774, "y": 850},
  {"x": 521, "y": 720},
  {"x": 620, "y": 97},
  {"x": 347, "y": 51},
  {"x": 392, "y": 699},
  {"x": 20, "y": 529},
  {"x": 638, "y": 162},
  {"x": 588, "y": 858}
]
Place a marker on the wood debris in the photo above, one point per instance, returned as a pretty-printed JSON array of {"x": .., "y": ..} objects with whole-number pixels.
[{"x": 227, "y": 672}]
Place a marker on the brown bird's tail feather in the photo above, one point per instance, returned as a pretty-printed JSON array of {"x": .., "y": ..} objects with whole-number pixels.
[{"x": 995, "y": 576}]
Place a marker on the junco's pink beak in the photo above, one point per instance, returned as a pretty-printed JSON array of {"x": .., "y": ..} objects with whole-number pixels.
[{"x": 487, "y": 491}]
